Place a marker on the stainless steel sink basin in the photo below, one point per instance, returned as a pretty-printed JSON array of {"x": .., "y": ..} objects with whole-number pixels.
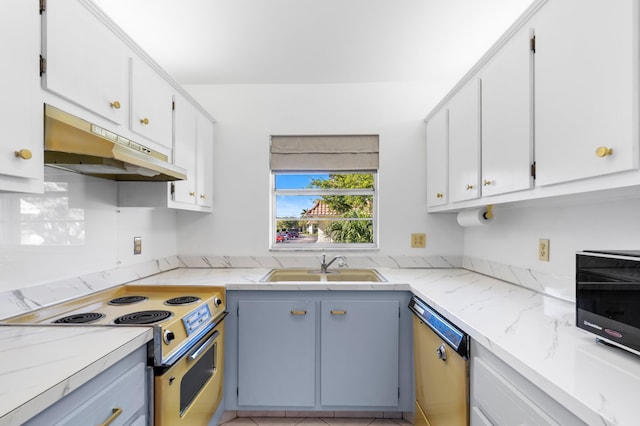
[{"x": 315, "y": 275}]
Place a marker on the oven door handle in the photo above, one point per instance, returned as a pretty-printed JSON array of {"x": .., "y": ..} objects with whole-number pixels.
[{"x": 195, "y": 354}]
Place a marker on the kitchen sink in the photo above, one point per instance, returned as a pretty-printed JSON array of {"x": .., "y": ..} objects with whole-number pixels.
[{"x": 315, "y": 275}]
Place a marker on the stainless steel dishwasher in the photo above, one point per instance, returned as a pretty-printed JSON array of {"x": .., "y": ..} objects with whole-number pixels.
[{"x": 441, "y": 358}]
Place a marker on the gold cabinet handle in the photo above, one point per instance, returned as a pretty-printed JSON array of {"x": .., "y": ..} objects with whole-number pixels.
[
  {"x": 115, "y": 105},
  {"x": 294, "y": 312},
  {"x": 25, "y": 154},
  {"x": 144, "y": 121},
  {"x": 202, "y": 196},
  {"x": 439, "y": 195},
  {"x": 469, "y": 187},
  {"x": 486, "y": 183},
  {"x": 338, "y": 312},
  {"x": 603, "y": 151},
  {"x": 192, "y": 194},
  {"x": 114, "y": 415}
]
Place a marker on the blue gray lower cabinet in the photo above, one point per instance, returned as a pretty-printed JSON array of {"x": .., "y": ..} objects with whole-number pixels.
[
  {"x": 318, "y": 351},
  {"x": 276, "y": 352}
]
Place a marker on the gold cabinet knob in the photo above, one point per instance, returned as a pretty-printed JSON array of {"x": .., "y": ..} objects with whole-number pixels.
[
  {"x": 486, "y": 182},
  {"x": 115, "y": 105},
  {"x": 439, "y": 195},
  {"x": 603, "y": 151},
  {"x": 469, "y": 187},
  {"x": 25, "y": 154},
  {"x": 192, "y": 194},
  {"x": 144, "y": 121},
  {"x": 202, "y": 196}
]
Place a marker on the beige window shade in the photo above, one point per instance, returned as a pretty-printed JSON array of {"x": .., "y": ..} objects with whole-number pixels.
[{"x": 310, "y": 153}]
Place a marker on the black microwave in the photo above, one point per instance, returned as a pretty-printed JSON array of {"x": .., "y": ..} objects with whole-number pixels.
[{"x": 608, "y": 296}]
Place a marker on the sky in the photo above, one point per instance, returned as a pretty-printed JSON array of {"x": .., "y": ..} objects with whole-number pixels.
[{"x": 292, "y": 205}]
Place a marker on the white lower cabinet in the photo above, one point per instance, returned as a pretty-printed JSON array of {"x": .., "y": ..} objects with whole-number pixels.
[
  {"x": 120, "y": 394},
  {"x": 317, "y": 351},
  {"x": 501, "y": 396}
]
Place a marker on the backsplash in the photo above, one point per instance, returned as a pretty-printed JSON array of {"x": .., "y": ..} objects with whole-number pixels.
[
  {"x": 14, "y": 302},
  {"x": 551, "y": 284}
]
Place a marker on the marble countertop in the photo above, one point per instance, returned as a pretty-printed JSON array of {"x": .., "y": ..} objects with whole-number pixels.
[
  {"x": 41, "y": 364},
  {"x": 533, "y": 333}
]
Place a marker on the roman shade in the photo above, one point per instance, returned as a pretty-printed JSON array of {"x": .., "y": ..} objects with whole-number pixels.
[{"x": 323, "y": 153}]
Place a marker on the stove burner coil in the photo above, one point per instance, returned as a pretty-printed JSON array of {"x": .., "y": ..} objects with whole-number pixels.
[
  {"x": 82, "y": 318},
  {"x": 182, "y": 300},
  {"x": 127, "y": 300},
  {"x": 143, "y": 317}
]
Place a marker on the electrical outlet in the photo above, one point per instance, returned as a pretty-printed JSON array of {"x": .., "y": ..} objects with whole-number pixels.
[
  {"x": 137, "y": 245},
  {"x": 418, "y": 240},
  {"x": 543, "y": 250}
]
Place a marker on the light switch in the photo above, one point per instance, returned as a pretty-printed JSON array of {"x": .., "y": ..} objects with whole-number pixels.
[{"x": 137, "y": 245}]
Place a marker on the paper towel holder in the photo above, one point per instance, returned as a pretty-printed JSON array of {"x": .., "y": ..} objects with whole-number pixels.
[{"x": 489, "y": 213}]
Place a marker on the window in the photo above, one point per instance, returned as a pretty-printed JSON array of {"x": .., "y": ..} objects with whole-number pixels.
[{"x": 324, "y": 192}]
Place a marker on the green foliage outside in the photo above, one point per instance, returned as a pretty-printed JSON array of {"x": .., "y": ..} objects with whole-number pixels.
[{"x": 349, "y": 206}]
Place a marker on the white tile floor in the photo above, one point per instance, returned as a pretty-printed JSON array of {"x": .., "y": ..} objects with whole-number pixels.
[{"x": 313, "y": 421}]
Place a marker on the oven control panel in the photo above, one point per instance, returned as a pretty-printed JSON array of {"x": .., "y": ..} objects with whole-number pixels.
[{"x": 194, "y": 320}]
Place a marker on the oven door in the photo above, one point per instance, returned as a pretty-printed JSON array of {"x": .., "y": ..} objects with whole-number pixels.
[{"x": 189, "y": 392}]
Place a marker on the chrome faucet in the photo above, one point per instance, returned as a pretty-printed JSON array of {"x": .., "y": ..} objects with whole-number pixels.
[{"x": 324, "y": 265}]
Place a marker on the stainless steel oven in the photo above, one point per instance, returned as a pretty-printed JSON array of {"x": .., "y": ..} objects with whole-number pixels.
[{"x": 608, "y": 296}]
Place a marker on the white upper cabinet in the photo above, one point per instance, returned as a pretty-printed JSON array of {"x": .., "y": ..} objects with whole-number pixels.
[
  {"x": 151, "y": 104},
  {"x": 86, "y": 63},
  {"x": 185, "y": 140},
  {"x": 586, "y": 89},
  {"x": 507, "y": 148},
  {"x": 464, "y": 142},
  {"x": 437, "y": 158},
  {"x": 193, "y": 149},
  {"x": 21, "y": 154},
  {"x": 204, "y": 167}
]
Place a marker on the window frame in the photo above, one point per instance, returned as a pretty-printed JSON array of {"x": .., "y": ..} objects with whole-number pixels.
[{"x": 321, "y": 247}]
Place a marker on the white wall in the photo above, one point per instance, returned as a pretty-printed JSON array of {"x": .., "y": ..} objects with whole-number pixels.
[
  {"x": 104, "y": 242},
  {"x": 248, "y": 114},
  {"x": 586, "y": 222}
]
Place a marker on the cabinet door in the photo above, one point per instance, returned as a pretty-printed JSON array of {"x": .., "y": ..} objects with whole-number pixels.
[
  {"x": 86, "y": 62},
  {"x": 204, "y": 168},
  {"x": 585, "y": 89},
  {"x": 21, "y": 114},
  {"x": 507, "y": 149},
  {"x": 276, "y": 353},
  {"x": 437, "y": 158},
  {"x": 359, "y": 353},
  {"x": 464, "y": 143},
  {"x": 184, "y": 149},
  {"x": 151, "y": 104}
]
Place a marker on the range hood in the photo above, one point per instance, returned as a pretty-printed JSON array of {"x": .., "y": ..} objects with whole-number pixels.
[{"x": 74, "y": 144}]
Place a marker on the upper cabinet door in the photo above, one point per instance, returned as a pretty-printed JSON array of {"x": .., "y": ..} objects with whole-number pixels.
[
  {"x": 204, "y": 168},
  {"x": 184, "y": 152},
  {"x": 21, "y": 155},
  {"x": 86, "y": 62},
  {"x": 585, "y": 89},
  {"x": 151, "y": 104},
  {"x": 464, "y": 142},
  {"x": 437, "y": 158},
  {"x": 507, "y": 149}
]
